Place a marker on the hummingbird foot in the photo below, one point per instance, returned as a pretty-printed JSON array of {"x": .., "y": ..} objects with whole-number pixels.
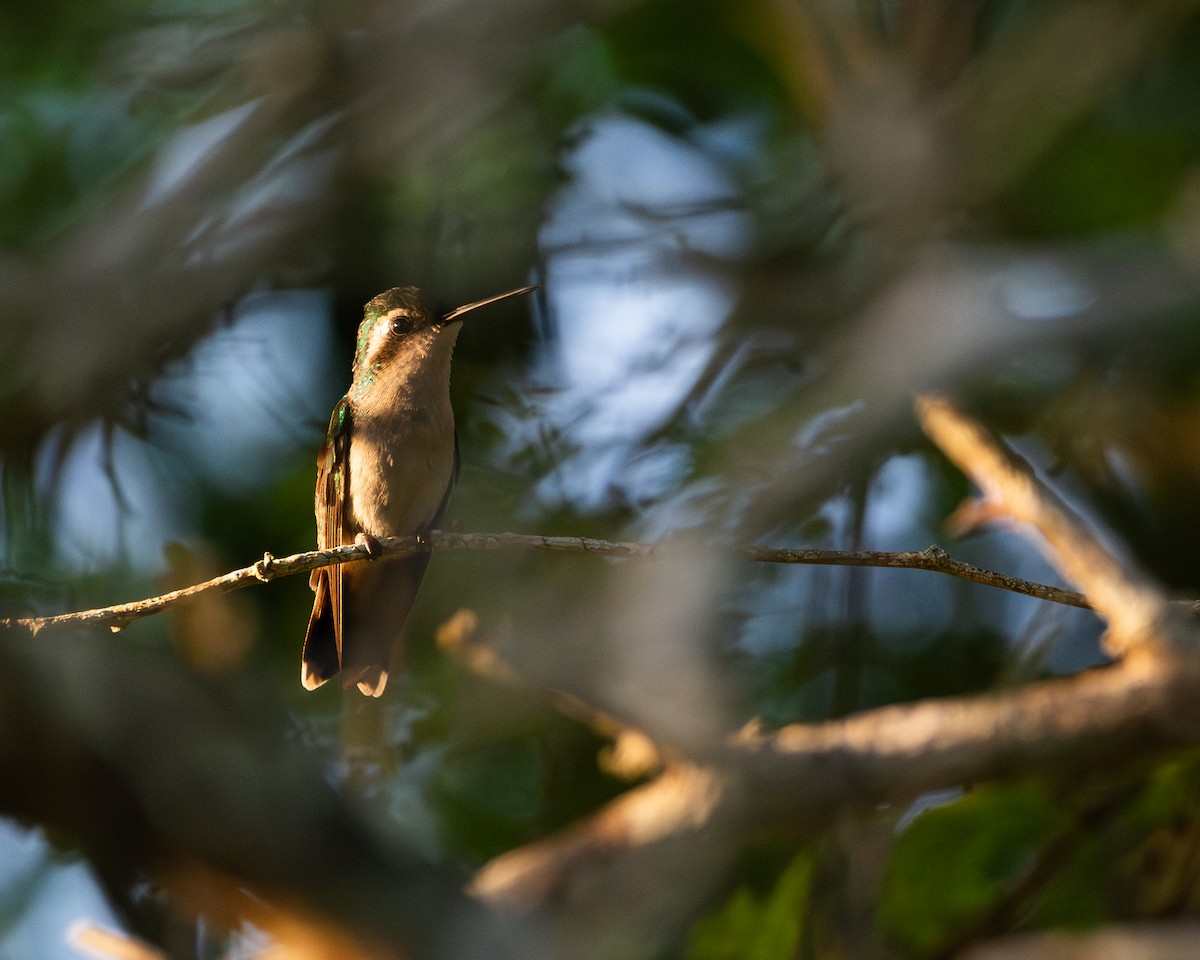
[{"x": 373, "y": 546}]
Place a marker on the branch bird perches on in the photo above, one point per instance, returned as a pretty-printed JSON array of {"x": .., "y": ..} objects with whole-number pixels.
[{"x": 934, "y": 559}]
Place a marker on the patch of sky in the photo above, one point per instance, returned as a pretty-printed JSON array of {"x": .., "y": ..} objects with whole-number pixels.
[
  {"x": 44, "y": 896},
  {"x": 634, "y": 319},
  {"x": 1040, "y": 289},
  {"x": 253, "y": 395},
  {"x": 246, "y": 403},
  {"x": 115, "y": 499}
]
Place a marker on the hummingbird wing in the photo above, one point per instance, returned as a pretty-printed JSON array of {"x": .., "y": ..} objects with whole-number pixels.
[{"x": 323, "y": 642}]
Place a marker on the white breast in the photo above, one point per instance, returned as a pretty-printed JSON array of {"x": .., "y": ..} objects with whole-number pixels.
[
  {"x": 402, "y": 440},
  {"x": 399, "y": 472}
]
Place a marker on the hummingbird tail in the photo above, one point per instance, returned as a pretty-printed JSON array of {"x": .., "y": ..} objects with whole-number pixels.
[
  {"x": 370, "y": 683},
  {"x": 320, "y": 660},
  {"x": 379, "y": 595},
  {"x": 310, "y": 677}
]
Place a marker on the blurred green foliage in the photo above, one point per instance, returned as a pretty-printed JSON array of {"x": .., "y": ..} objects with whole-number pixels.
[
  {"x": 1133, "y": 857},
  {"x": 67, "y": 131},
  {"x": 1101, "y": 179},
  {"x": 955, "y": 861},
  {"x": 753, "y": 926},
  {"x": 1070, "y": 857},
  {"x": 798, "y": 685}
]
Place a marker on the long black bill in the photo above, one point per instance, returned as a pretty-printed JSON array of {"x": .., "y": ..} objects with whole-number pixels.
[{"x": 457, "y": 312}]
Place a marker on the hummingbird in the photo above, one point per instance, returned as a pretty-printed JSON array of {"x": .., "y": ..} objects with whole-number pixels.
[{"x": 386, "y": 469}]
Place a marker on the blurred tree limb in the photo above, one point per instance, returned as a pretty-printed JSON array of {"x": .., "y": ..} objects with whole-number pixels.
[
  {"x": 1165, "y": 940},
  {"x": 179, "y": 779},
  {"x": 197, "y": 785},
  {"x": 803, "y": 775},
  {"x": 1136, "y": 610},
  {"x": 122, "y": 727}
]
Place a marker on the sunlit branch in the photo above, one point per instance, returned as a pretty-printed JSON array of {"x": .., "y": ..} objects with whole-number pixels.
[
  {"x": 1158, "y": 939},
  {"x": 804, "y": 775},
  {"x": 631, "y": 752},
  {"x": 597, "y": 872},
  {"x": 1139, "y": 703},
  {"x": 897, "y": 752},
  {"x": 1136, "y": 610},
  {"x": 933, "y": 559},
  {"x": 93, "y": 940}
]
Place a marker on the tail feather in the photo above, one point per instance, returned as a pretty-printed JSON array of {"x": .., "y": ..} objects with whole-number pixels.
[
  {"x": 376, "y": 600},
  {"x": 320, "y": 658},
  {"x": 370, "y": 683}
]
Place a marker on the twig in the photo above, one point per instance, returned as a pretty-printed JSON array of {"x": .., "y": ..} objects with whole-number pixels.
[
  {"x": 1138, "y": 703},
  {"x": 933, "y": 559},
  {"x": 1136, "y": 610}
]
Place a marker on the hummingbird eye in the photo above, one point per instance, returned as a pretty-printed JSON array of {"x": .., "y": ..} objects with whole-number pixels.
[{"x": 401, "y": 324}]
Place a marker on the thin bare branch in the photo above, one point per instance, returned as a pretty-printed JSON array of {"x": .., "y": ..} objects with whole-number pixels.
[
  {"x": 1136, "y": 610},
  {"x": 933, "y": 559}
]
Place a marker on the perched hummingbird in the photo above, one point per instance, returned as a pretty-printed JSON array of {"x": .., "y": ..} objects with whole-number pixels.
[{"x": 386, "y": 469}]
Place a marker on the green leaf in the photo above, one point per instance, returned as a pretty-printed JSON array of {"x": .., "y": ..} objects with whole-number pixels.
[
  {"x": 490, "y": 797},
  {"x": 750, "y": 927},
  {"x": 1099, "y": 180},
  {"x": 954, "y": 861}
]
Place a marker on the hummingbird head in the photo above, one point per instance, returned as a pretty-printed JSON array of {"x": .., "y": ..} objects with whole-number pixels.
[
  {"x": 389, "y": 322},
  {"x": 400, "y": 339}
]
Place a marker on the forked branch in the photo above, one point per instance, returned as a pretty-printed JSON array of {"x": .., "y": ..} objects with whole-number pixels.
[{"x": 805, "y": 774}]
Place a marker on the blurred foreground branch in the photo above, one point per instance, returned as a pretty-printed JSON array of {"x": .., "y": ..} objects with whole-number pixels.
[
  {"x": 1164, "y": 940},
  {"x": 804, "y": 775},
  {"x": 197, "y": 786},
  {"x": 1136, "y": 610},
  {"x": 933, "y": 559},
  {"x": 121, "y": 727}
]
